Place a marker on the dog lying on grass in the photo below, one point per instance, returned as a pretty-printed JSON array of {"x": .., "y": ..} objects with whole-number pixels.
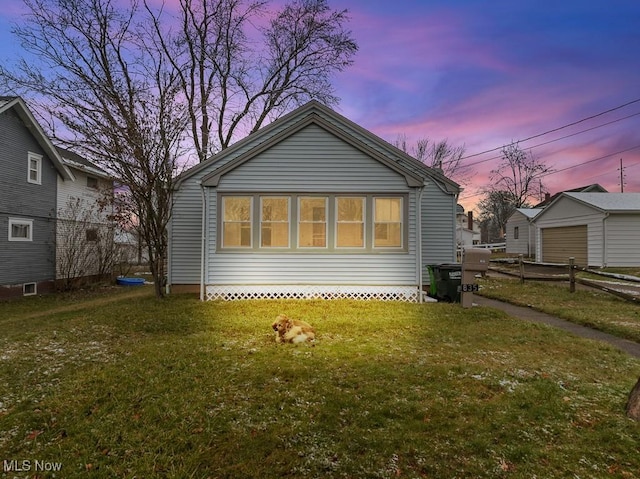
[{"x": 292, "y": 330}]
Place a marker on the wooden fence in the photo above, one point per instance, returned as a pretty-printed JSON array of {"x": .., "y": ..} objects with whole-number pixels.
[{"x": 568, "y": 273}]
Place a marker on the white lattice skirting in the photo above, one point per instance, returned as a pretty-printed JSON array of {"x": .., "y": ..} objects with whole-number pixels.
[{"x": 379, "y": 293}]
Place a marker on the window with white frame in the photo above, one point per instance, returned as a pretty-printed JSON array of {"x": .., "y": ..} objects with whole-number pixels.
[
  {"x": 29, "y": 289},
  {"x": 236, "y": 225},
  {"x": 20, "y": 229},
  {"x": 274, "y": 222},
  {"x": 34, "y": 168}
]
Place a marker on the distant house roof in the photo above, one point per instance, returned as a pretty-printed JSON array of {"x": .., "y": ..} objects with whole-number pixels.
[
  {"x": 73, "y": 160},
  {"x": 610, "y": 202},
  {"x": 15, "y": 102},
  {"x": 593, "y": 188},
  {"x": 529, "y": 212}
]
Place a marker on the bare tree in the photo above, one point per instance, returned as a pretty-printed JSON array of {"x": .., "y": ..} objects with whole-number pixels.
[
  {"x": 107, "y": 91},
  {"x": 236, "y": 75},
  {"x": 495, "y": 209},
  {"x": 119, "y": 83},
  {"x": 519, "y": 173},
  {"x": 516, "y": 179},
  {"x": 440, "y": 155}
]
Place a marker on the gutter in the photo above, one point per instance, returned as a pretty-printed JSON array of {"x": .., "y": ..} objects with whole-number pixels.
[
  {"x": 419, "y": 245},
  {"x": 203, "y": 243},
  {"x": 604, "y": 241}
]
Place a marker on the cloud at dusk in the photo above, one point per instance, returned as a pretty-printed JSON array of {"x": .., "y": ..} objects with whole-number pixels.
[{"x": 484, "y": 74}]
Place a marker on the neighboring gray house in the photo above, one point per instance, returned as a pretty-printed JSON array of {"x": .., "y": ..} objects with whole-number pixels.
[
  {"x": 597, "y": 229},
  {"x": 311, "y": 205},
  {"x": 521, "y": 233},
  {"x": 31, "y": 167}
]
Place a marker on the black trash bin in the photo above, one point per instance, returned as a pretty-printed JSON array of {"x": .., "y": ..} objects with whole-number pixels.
[{"x": 445, "y": 280}]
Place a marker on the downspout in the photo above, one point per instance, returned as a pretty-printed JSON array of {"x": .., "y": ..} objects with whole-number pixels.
[
  {"x": 419, "y": 245},
  {"x": 203, "y": 243},
  {"x": 604, "y": 241}
]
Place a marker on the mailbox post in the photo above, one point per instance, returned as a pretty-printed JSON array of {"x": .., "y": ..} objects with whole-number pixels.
[{"x": 474, "y": 261}]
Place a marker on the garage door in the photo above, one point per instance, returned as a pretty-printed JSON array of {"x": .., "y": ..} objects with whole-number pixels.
[{"x": 558, "y": 244}]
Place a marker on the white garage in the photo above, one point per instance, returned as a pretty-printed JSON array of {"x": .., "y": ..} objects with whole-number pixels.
[{"x": 597, "y": 229}]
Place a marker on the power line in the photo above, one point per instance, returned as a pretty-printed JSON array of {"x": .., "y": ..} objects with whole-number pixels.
[
  {"x": 571, "y": 167},
  {"x": 554, "y": 140},
  {"x": 590, "y": 161},
  {"x": 556, "y": 129}
]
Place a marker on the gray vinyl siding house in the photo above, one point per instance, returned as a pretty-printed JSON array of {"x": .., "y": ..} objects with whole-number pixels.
[
  {"x": 597, "y": 229},
  {"x": 310, "y": 206},
  {"x": 521, "y": 232},
  {"x": 28, "y": 184}
]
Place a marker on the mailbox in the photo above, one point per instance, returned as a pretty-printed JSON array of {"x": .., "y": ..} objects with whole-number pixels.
[{"x": 476, "y": 259}]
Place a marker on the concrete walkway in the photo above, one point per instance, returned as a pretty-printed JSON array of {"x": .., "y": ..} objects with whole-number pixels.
[{"x": 529, "y": 314}]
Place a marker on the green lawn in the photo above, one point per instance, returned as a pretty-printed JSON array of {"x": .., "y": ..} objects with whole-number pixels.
[{"x": 179, "y": 388}]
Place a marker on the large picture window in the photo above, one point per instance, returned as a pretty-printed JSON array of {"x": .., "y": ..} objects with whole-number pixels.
[
  {"x": 274, "y": 222},
  {"x": 236, "y": 225},
  {"x": 312, "y": 230},
  {"x": 350, "y": 222},
  {"x": 294, "y": 222},
  {"x": 387, "y": 223}
]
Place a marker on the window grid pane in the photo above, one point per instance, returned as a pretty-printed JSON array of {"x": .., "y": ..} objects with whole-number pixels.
[
  {"x": 312, "y": 228},
  {"x": 350, "y": 222},
  {"x": 274, "y": 230},
  {"x": 237, "y": 222},
  {"x": 388, "y": 223}
]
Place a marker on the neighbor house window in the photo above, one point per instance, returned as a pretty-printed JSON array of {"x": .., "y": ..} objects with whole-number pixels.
[
  {"x": 312, "y": 225},
  {"x": 34, "y": 173},
  {"x": 236, "y": 225},
  {"x": 91, "y": 235},
  {"x": 350, "y": 222},
  {"x": 387, "y": 225},
  {"x": 92, "y": 182},
  {"x": 516, "y": 232},
  {"x": 20, "y": 230},
  {"x": 29, "y": 289},
  {"x": 274, "y": 222}
]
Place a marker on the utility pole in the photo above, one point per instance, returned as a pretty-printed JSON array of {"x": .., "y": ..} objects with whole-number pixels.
[{"x": 621, "y": 177}]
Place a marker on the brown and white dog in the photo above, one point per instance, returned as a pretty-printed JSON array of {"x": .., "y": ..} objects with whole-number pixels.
[{"x": 292, "y": 330}]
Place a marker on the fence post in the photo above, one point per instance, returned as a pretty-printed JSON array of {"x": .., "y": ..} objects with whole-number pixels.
[
  {"x": 572, "y": 275},
  {"x": 521, "y": 263}
]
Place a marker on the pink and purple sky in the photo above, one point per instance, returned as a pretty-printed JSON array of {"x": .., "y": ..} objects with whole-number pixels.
[{"x": 485, "y": 74}]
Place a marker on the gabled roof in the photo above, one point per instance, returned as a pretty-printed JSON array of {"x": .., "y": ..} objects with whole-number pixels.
[
  {"x": 529, "y": 212},
  {"x": 609, "y": 202},
  {"x": 593, "y": 188},
  {"x": 19, "y": 106},
  {"x": 315, "y": 113}
]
